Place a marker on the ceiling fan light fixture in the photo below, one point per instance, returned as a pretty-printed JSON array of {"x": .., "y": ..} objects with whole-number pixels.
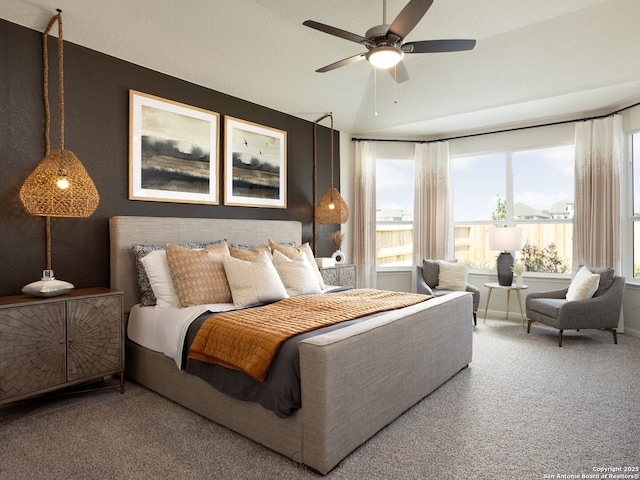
[{"x": 385, "y": 57}]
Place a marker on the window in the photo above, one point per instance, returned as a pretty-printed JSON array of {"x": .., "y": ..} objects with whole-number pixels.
[
  {"x": 394, "y": 212},
  {"x": 530, "y": 189},
  {"x": 635, "y": 199}
]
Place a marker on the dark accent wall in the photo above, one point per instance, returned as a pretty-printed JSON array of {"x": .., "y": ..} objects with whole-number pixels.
[{"x": 96, "y": 130}]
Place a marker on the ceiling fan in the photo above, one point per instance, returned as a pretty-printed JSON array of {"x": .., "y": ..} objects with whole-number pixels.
[{"x": 385, "y": 43}]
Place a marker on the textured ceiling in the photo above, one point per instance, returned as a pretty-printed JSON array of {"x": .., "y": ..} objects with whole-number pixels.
[{"x": 534, "y": 61}]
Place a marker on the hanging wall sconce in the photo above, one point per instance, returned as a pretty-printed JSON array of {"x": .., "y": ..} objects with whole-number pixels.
[
  {"x": 332, "y": 208},
  {"x": 59, "y": 186}
]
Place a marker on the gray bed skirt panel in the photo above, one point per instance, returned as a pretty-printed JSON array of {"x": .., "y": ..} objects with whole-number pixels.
[{"x": 159, "y": 373}]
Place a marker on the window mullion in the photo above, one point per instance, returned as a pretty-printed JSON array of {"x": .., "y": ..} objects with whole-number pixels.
[{"x": 509, "y": 189}]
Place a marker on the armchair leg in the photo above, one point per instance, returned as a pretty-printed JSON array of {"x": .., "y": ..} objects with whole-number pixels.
[
  {"x": 529, "y": 325},
  {"x": 560, "y": 338},
  {"x": 615, "y": 334},
  {"x": 475, "y": 318}
]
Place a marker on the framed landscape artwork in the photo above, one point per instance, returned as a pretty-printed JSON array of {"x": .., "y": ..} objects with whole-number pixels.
[
  {"x": 173, "y": 151},
  {"x": 255, "y": 168}
]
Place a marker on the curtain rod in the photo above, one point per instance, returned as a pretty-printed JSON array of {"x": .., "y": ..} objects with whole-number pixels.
[{"x": 515, "y": 129}]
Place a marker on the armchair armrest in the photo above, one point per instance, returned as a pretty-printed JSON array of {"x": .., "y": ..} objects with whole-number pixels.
[
  {"x": 473, "y": 289},
  {"x": 421, "y": 285}
]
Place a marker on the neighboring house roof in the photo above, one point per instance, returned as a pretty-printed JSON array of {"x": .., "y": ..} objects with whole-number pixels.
[
  {"x": 525, "y": 212},
  {"x": 562, "y": 208}
]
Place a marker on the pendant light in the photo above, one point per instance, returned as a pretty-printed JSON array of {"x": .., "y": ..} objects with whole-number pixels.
[
  {"x": 59, "y": 186},
  {"x": 332, "y": 209}
]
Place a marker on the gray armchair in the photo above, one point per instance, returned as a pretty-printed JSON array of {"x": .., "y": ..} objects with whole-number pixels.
[
  {"x": 600, "y": 311},
  {"x": 427, "y": 281}
]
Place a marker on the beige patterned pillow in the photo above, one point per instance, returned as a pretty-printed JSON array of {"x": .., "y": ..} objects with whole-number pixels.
[
  {"x": 198, "y": 275},
  {"x": 297, "y": 275},
  {"x": 452, "y": 276},
  {"x": 248, "y": 254},
  {"x": 292, "y": 252},
  {"x": 253, "y": 282}
]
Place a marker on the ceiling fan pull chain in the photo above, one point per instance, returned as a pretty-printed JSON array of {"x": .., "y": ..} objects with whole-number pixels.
[{"x": 375, "y": 92}]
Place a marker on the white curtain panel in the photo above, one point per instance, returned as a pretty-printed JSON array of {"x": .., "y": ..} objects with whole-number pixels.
[
  {"x": 432, "y": 202},
  {"x": 364, "y": 226},
  {"x": 598, "y": 165}
]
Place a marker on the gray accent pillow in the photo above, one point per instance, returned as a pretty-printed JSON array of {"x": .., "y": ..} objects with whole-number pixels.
[
  {"x": 430, "y": 272},
  {"x": 606, "y": 278}
]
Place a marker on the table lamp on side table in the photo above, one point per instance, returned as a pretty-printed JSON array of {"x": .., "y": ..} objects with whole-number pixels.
[{"x": 506, "y": 239}]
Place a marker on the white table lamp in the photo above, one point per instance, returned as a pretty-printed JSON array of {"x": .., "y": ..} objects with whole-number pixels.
[{"x": 505, "y": 239}]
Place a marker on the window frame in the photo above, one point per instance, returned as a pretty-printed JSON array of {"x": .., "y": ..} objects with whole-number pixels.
[
  {"x": 395, "y": 154},
  {"x": 510, "y": 221}
]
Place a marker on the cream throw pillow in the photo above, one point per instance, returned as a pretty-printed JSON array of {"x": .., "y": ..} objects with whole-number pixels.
[
  {"x": 297, "y": 275},
  {"x": 198, "y": 275},
  {"x": 157, "y": 269},
  {"x": 292, "y": 252},
  {"x": 583, "y": 285},
  {"x": 253, "y": 282},
  {"x": 452, "y": 276}
]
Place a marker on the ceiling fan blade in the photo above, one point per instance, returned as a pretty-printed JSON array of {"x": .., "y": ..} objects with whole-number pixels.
[
  {"x": 399, "y": 72},
  {"x": 342, "y": 63},
  {"x": 435, "y": 46},
  {"x": 336, "y": 32},
  {"x": 409, "y": 17}
]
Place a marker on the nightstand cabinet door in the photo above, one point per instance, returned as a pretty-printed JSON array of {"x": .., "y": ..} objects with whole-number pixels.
[
  {"x": 50, "y": 343},
  {"x": 94, "y": 336},
  {"x": 340, "y": 275},
  {"x": 32, "y": 348}
]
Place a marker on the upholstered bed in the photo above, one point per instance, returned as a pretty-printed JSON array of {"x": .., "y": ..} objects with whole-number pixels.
[{"x": 354, "y": 380}]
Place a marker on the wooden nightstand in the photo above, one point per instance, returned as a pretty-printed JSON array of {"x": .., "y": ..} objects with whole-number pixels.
[
  {"x": 340, "y": 275},
  {"x": 55, "y": 342}
]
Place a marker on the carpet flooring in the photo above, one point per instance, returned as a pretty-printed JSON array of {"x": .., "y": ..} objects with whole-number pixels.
[{"x": 524, "y": 409}]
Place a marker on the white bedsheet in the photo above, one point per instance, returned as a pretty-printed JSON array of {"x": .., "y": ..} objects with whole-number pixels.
[{"x": 163, "y": 329}]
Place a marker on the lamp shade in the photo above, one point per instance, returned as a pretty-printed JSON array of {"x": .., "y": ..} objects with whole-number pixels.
[
  {"x": 505, "y": 239},
  {"x": 332, "y": 208},
  {"x": 60, "y": 187}
]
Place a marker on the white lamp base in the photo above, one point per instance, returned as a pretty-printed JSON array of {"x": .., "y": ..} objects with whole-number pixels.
[{"x": 48, "y": 286}]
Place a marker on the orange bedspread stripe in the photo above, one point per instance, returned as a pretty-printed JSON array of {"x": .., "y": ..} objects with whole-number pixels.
[{"x": 247, "y": 340}]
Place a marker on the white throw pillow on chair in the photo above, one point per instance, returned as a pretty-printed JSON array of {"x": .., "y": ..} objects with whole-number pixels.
[
  {"x": 452, "y": 276},
  {"x": 583, "y": 285}
]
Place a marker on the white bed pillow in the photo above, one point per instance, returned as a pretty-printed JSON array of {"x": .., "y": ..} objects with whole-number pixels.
[
  {"x": 583, "y": 285},
  {"x": 296, "y": 274},
  {"x": 452, "y": 276},
  {"x": 253, "y": 282},
  {"x": 157, "y": 268},
  {"x": 292, "y": 252}
]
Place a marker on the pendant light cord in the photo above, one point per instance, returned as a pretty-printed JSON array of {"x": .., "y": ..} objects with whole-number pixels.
[{"x": 47, "y": 109}]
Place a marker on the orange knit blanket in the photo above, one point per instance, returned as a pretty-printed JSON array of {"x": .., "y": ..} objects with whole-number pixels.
[{"x": 247, "y": 340}]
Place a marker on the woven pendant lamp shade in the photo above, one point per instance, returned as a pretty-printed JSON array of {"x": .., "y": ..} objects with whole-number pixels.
[
  {"x": 59, "y": 186},
  {"x": 332, "y": 208},
  {"x": 43, "y": 194}
]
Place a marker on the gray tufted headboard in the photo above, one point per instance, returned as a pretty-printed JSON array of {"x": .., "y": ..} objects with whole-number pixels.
[{"x": 124, "y": 231}]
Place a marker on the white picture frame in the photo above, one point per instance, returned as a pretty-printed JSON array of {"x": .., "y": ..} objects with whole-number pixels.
[{"x": 173, "y": 151}]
